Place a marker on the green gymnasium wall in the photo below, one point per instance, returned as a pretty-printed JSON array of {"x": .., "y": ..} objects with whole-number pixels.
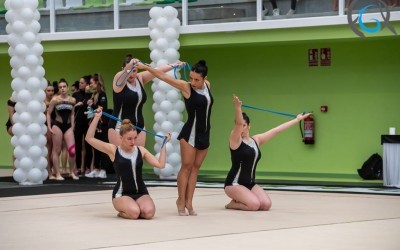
[{"x": 267, "y": 69}]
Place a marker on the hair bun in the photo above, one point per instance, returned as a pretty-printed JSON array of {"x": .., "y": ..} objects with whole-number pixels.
[
  {"x": 126, "y": 122},
  {"x": 202, "y": 62}
]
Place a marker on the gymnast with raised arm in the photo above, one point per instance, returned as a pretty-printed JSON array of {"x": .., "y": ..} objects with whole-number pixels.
[
  {"x": 240, "y": 184},
  {"x": 130, "y": 196}
]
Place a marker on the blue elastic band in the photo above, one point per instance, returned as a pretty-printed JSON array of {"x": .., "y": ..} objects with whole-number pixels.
[
  {"x": 126, "y": 76},
  {"x": 185, "y": 67},
  {"x": 141, "y": 129},
  {"x": 267, "y": 110}
]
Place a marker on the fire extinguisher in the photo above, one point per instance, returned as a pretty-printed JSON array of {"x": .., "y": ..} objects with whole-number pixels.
[{"x": 309, "y": 130}]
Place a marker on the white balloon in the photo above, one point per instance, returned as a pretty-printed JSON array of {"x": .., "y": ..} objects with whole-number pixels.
[
  {"x": 45, "y": 174},
  {"x": 179, "y": 106},
  {"x": 152, "y": 44},
  {"x": 174, "y": 159},
  {"x": 21, "y": 50},
  {"x": 40, "y": 118},
  {"x": 34, "y": 106},
  {"x": 11, "y": 51},
  {"x": 41, "y": 141},
  {"x": 157, "y": 147},
  {"x": 178, "y": 126},
  {"x": 155, "y": 107},
  {"x": 154, "y": 34},
  {"x": 25, "y": 141},
  {"x": 20, "y": 107},
  {"x": 24, "y": 72},
  {"x": 19, "y": 175},
  {"x": 34, "y": 26},
  {"x": 26, "y": 163},
  {"x": 24, "y": 96},
  {"x": 158, "y": 97},
  {"x": 174, "y": 137},
  {"x": 174, "y": 116},
  {"x": 168, "y": 171},
  {"x": 16, "y": 4},
  {"x": 37, "y": 49},
  {"x": 39, "y": 95},
  {"x": 32, "y": 4},
  {"x": 14, "y": 73},
  {"x": 160, "y": 117},
  {"x": 170, "y": 148},
  {"x": 29, "y": 37},
  {"x": 161, "y": 62},
  {"x": 34, "y": 129},
  {"x": 9, "y": 29},
  {"x": 35, "y": 175},
  {"x": 175, "y": 24},
  {"x": 17, "y": 84},
  {"x": 171, "y": 34},
  {"x": 36, "y": 15},
  {"x": 166, "y": 106},
  {"x": 33, "y": 84},
  {"x": 42, "y": 163},
  {"x": 175, "y": 45},
  {"x": 11, "y": 15},
  {"x": 151, "y": 24},
  {"x": 39, "y": 72},
  {"x": 44, "y": 129},
  {"x": 173, "y": 95},
  {"x": 18, "y": 129},
  {"x": 163, "y": 86},
  {"x": 15, "y": 117},
  {"x": 172, "y": 55},
  {"x": 167, "y": 127},
  {"x": 34, "y": 152},
  {"x": 159, "y": 139},
  {"x": 25, "y": 118},
  {"x": 19, "y": 27},
  {"x": 162, "y": 23},
  {"x": 14, "y": 140},
  {"x": 16, "y": 62},
  {"x": 162, "y": 44},
  {"x": 157, "y": 127},
  {"x": 170, "y": 12},
  {"x": 41, "y": 61},
  {"x": 27, "y": 14},
  {"x": 156, "y": 55},
  {"x": 155, "y": 12},
  {"x": 19, "y": 152},
  {"x": 13, "y": 40},
  {"x": 43, "y": 83}
]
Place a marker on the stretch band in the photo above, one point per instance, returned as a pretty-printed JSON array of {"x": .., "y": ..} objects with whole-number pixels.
[
  {"x": 141, "y": 129},
  {"x": 267, "y": 110},
  {"x": 185, "y": 67}
]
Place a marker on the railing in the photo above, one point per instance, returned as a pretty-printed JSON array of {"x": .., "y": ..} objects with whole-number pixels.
[{"x": 83, "y": 19}]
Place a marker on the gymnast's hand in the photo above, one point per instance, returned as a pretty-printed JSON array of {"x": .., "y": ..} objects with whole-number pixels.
[
  {"x": 237, "y": 101},
  {"x": 168, "y": 136},
  {"x": 302, "y": 116},
  {"x": 98, "y": 112}
]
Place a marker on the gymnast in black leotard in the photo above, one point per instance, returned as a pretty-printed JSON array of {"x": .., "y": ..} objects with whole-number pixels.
[
  {"x": 130, "y": 196},
  {"x": 11, "y": 110},
  {"x": 240, "y": 184},
  {"x": 62, "y": 128},
  {"x": 129, "y": 97},
  {"x": 194, "y": 137}
]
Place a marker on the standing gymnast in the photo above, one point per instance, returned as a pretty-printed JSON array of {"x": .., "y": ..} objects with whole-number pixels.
[
  {"x": 128, "y": 97},
  {"x": 194, "y": 137},
  {"x": 130, "y": 196},
  {"x": 240, "y": 183}
]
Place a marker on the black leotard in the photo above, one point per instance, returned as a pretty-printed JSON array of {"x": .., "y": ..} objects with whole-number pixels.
[
  {"x": 196, "y": 130},
  {"x": 244, "y": 162}
]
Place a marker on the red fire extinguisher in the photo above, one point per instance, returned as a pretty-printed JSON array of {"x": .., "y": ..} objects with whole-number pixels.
[{"x": 309, "y": 130}]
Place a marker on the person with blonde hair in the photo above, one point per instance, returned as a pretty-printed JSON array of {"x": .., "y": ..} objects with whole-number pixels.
[{"x": 130, "y": 196}]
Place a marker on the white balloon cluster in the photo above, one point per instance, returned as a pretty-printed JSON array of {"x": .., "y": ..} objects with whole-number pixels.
[
  {"x": 168, "y": 107},
  {"x": 28, "y": 83}
]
